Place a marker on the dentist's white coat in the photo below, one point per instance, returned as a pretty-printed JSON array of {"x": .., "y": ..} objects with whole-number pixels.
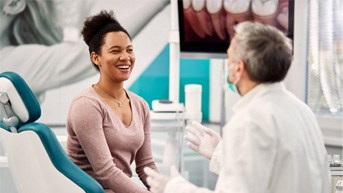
[{"x": 272, "y": 144}]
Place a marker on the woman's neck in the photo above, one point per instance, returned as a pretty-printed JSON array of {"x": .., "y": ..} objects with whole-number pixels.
[{"x": 115, "y": 91}]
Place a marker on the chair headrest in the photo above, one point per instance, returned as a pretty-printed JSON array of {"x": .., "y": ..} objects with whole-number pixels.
[{"x": 19, "y": 98}]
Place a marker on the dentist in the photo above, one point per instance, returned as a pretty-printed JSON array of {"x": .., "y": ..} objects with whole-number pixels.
[{"x": 273, "y": 143}]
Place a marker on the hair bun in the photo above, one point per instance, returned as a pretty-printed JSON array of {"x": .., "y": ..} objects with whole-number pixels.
[{"x": 94, "y": 24}]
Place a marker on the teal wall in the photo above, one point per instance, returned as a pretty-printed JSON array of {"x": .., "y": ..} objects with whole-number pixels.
[{"x": 153, "y": 83}]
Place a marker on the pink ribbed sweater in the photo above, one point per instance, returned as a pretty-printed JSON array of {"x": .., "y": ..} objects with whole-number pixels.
[{"x": 100, "y": 144}]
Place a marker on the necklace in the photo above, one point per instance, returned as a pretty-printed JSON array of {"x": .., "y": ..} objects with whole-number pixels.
[{"x": 112, "y": 99}]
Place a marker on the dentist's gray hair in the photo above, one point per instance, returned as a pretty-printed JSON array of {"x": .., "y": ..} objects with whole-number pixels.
[{"x": 265, "y": 50}]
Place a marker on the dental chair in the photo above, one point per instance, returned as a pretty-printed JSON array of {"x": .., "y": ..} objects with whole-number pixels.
[{"x": 37, "y": 161}]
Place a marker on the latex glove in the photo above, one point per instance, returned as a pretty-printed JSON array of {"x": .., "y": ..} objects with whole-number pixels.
[
  {"x": 202, "y": 139},
  {"x": 158, "y": 182}
]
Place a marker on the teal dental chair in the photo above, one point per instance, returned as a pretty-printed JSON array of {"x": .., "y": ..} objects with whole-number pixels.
[{"x": 37, "y": 161}]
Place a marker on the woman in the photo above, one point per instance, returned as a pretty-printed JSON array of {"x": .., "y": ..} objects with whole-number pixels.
[{"x": 108, "y": 126}]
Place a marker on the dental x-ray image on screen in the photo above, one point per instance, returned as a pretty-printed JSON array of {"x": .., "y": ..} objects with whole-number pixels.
[{"x": 206, "y": 26}]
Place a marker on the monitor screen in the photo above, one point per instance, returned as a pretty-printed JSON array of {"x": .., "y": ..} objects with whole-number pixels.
[{"x": 206, "y": 27}]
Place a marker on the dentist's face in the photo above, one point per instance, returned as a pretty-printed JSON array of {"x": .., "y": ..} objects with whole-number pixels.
[{"x": 230, "y": 64}]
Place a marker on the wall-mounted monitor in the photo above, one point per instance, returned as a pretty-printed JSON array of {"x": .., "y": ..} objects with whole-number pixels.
[{"x": 206, "y": 26}]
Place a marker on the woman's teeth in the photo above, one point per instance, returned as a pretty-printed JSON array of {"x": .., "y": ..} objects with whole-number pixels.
[{"x": 123, "y": 66}]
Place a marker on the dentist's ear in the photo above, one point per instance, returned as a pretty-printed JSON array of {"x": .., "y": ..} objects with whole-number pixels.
[{"x": 13, "y": 7}]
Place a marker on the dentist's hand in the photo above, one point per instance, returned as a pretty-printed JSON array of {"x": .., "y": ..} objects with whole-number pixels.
[
  {"x": 158, "y": 182},
  {"x": 202, "y": 139}
]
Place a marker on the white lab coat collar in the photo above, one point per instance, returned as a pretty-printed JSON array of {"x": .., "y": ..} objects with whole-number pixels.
[{"x": 258, "y": 90}]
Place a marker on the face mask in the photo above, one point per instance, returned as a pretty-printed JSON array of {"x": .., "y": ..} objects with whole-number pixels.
[{"x": 231, "y": 85}]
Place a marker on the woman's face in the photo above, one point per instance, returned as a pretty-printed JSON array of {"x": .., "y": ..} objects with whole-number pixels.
[{"x": 117, "y": 58}]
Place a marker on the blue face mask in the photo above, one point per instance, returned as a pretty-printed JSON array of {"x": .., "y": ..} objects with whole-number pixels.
[{"x": 232, "y": 86}]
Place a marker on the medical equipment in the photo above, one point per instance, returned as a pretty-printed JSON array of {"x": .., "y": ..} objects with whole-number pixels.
[
  {"x": 165, "y": 106},
  {"x": 193, "y": 102},
  {"x": 37, "y": 161},
  {"x": 339, "y": 186}
]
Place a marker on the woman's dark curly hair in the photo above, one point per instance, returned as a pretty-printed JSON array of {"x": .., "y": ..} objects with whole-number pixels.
[{"x": 96, "y": 27}]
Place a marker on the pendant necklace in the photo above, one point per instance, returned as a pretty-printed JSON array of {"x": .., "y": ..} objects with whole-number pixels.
[{"x": 112, "y": 99}]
